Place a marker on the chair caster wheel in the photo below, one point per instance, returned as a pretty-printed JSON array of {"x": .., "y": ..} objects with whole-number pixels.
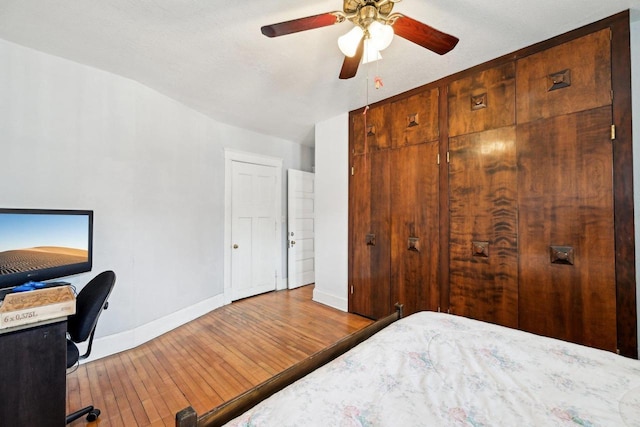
[{"x": 93, "y": 415}]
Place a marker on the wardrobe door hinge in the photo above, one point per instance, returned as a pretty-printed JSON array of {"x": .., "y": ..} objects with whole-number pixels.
[
  {"x": 351, "y": 289},
  {"x": 353, "y": 171},
  {"x": 613, "y": 132},
  {"x": 438, "y": 158}
]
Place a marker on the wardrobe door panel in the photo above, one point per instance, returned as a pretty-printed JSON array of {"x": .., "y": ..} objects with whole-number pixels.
[
  {"x": 566, "y": 228},
  {"x": 414, "y": 227},
  {"x": 359, "y": 222},
  {"x": 415, "y": 119},
  {"x": 371, "y": 131},
  {"x": 574, "y": 76},
  {"x": 369, "y": 210},
  {"x": 483, "y": 245},
  {"x": 482, "y": 101}
]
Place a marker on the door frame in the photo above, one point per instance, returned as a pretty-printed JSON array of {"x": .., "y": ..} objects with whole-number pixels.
[{"x": 257, "y": 159}]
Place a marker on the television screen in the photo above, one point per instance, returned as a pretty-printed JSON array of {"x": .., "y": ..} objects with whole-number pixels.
[{"x": 39, "y": 244}]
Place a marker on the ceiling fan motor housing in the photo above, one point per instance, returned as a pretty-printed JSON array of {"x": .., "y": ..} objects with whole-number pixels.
[
  {"x": 384, "y": 7},
  {"x": 364, "y": 12}
]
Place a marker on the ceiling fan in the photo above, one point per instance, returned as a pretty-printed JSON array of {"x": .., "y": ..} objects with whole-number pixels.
[{"x": 373, "y": 31}]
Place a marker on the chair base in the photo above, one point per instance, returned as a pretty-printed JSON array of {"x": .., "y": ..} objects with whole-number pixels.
[{"x": 91, "y": 413}]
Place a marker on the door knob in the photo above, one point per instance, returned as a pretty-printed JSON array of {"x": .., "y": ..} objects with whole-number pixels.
[
  {"x": 235, "y": 246},
  {"x": 293, "y": 242}
]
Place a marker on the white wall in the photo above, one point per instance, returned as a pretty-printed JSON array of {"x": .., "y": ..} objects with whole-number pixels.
[
  {"x": 332, "y": 216},
  {"x": 74, "y": 137}
]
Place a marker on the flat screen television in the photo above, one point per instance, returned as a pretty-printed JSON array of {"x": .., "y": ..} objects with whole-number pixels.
[{"x": 44, "y": 244}]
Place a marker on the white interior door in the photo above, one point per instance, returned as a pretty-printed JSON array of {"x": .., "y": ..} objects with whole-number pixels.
[
  {"x": 253, "y": 229},
  {"x": 301, "y": 226}
]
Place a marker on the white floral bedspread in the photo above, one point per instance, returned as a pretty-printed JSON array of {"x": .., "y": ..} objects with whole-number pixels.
[{"x": 433, "y": 369}]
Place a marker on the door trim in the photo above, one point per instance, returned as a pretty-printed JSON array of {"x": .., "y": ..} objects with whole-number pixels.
[{"x": 258, "y": 159}]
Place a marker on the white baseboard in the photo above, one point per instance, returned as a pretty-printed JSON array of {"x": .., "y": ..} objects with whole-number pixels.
[
  {"x": 336, "y": 302},
  {"x": 112, "y": 344}
]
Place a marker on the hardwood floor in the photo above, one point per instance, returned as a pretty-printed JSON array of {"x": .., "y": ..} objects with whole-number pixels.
[{"x": 207, "y": 361}]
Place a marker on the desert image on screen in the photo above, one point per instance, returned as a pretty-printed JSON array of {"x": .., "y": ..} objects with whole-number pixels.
[
  {"x": 30, "y": 242},
  {"x": 22, "y": 260}
]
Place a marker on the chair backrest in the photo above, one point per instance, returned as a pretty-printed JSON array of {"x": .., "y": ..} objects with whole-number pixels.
[{"x": 89, "y": 304}]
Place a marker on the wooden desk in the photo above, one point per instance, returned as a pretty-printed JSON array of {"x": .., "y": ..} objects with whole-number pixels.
[{"x": 33, "y": 367}]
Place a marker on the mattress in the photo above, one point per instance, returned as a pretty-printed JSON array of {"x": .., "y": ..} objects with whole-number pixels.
[{"x": 435, "y": 369}]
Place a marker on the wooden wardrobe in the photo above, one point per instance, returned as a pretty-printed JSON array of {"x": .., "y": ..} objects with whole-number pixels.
[{"x": 504, "y": 193}]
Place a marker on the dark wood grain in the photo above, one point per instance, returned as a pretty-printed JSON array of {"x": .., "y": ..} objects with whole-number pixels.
[
  {"x": 589, "y": 61},
  {"x": 371, "y": 264},
  {"x": 623, "y": 188},
  {"x": 414, "y": 120},
  {"x": 443, "y": 189},
  {"x": 301, "y": 24},
  {"x": 483, "y": 207},
  {"x": 590, "y": 95},
  {"x": 498, "y": 85},
  {"x": 371, "y": 131},
  {"x": 565, "y": 193},
  {"x": 424, "y": 35},
  {"x": 359, "y": 225},
  {"x": 415, "y": 214}
]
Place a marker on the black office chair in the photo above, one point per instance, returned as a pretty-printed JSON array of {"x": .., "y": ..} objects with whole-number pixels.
[{"x": 81, "y": 327}]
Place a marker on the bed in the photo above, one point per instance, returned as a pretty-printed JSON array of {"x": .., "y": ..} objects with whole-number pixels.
[{"x": 446, "y": 370}]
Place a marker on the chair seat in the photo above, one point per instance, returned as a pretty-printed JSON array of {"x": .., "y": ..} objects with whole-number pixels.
[{"x": 73, "y": 354}]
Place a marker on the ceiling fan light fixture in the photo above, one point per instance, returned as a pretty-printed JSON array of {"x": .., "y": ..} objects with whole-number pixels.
[
  {"x": 381, "y": 35},
  {"x": 371, "y": 52},
  {"x": 374, "y": 24},
  {"x": 349, "y": 42}
]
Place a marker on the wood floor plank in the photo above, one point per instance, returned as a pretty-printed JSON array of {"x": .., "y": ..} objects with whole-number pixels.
[{"x": 205, "y": 362}]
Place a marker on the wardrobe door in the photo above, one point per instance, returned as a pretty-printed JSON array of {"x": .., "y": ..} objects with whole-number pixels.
[
  {"x": 415, "y": 119},
  {"x": 571, "y": 77},
  {"x": 483, "y": 245},
  {"x": 414, "y": 227},
  {"x": 567, "y": 253},
  {"x": 565, "y": 187},
  {"x": 483, "y": 101},
  {"x": 369, "y": 209},
  {"x": 371, "y": 131}
]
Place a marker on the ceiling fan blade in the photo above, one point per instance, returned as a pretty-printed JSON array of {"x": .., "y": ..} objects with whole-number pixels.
[
  {"x": 422, "y": 34},
  {"x": 351, "y": 63},
  {"x": 303, "y": 24}
]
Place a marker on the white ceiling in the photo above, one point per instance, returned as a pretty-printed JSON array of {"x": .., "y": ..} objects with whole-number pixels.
[{"x": 211, "y": 56}]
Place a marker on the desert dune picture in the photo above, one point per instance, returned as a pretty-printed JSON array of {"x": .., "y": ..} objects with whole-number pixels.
[
  {"x": 30, "y": 242},
  {"x": 22, "y": 260}
]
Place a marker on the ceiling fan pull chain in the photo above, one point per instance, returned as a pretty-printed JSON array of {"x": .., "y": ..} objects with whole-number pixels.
[
  {"x": 366, "y": 108},
  {"x": 366, "y": 130},
  {"x": 377, "y": 81}
]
